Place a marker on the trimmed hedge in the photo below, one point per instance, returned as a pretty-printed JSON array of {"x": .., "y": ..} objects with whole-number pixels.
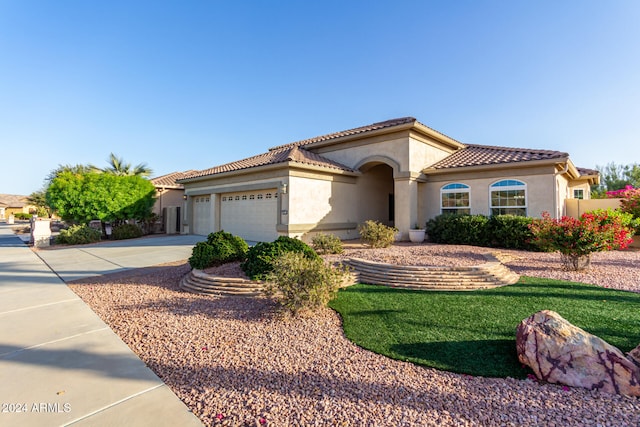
[
  {"x": 260, "y": 258},
  {"x": 500, "y": 231}
]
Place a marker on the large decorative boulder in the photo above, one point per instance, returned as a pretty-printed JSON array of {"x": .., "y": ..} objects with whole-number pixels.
[{"x": 559, "y": 352}]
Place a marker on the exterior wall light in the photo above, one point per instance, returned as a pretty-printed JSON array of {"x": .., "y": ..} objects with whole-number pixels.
[{"x": 283, "y": 188}]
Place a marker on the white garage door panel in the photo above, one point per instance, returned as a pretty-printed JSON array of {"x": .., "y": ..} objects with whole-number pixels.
[
  {"x": 250, "y": 215},
  {"x": 202, "y": 215}
]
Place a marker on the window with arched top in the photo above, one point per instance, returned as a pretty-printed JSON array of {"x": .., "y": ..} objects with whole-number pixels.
[
  {"x": 455, "y": 199},
  {"x": 508, "y": 197}
]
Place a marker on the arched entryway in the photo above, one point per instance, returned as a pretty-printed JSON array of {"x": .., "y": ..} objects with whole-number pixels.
[{"x": 376, "y": 198}]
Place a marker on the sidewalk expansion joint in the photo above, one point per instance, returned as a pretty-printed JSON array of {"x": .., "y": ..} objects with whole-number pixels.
[
  {"x": 11, "y": 353},
  {"x": 104, "y": 408}
]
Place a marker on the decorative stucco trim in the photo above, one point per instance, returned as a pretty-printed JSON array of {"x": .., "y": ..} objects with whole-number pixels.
[
  {"x": 376, "y": 160},
  {"x": 233, "y": 188}
]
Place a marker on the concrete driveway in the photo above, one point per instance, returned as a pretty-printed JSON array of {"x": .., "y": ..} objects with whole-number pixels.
[{"x": 60, "y": 364}]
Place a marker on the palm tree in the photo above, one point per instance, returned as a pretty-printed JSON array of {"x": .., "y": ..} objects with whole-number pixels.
[{"x": 117, "y": 166}]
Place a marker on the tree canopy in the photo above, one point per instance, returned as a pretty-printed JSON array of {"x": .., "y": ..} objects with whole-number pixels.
[
  {"x": 117, "y": 166},
  {"x": 616, "y": 177},
  {"x": 82, "y": 197}
]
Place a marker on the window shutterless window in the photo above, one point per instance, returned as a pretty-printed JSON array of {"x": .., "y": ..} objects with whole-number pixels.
[
  {"x": 578, "y": 193},
  {"x": 455, "y": 199},
  {"x": 508, "y": 197}
]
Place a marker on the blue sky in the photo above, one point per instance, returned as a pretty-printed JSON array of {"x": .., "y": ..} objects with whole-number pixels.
[{"x": 192, "y": 84}]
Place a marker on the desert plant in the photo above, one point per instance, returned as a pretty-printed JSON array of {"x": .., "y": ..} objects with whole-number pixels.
[
  {"x": 327, "y": 244},
  {"x": 301, "y": 284},
  {"x": 260, "y": 257},
  {"x": 576, "y": 239},
  {"x": 219, "y": 248},
  {"x": 376, "y": 234},
  {"x": 126, "y": 231},
  {"x": 78, "y": 235}
]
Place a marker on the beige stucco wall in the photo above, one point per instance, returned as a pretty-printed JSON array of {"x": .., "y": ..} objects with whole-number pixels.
[
  {"x": 576, "y": 207},
  {"x": 539, "y": 181},
  {"x": 168, "y": 198}
]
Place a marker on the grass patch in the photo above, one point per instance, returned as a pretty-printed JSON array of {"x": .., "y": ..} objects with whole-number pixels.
[{"x": 474, "y": 332}]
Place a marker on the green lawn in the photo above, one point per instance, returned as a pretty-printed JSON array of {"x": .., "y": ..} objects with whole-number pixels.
[{"x": 474, "y": 332}]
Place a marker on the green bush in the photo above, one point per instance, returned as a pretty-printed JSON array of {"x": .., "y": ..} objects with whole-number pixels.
[
  {"x": 22, "y": 215},
  {"x": 499, "y": 231},
  {"x": 78, "y": 235},
  {"x": 260, "y": 258},
  {"x": 458, "y": 229},
  {"x": 301, "y": 284},
  {"x": 327, "y": 244},
  {"x": 376, "y": 234},
  {"x": 510, "y": 232},
  {"x": 219, "y": 248},
  {"x": 126, "y": 231}
]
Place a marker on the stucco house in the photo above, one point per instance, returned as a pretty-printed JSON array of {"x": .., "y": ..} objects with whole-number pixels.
[
  {"x": 170, "y": 200},
  {"x": 399, "y": 172},
  {"x": 11, "y": 204}
]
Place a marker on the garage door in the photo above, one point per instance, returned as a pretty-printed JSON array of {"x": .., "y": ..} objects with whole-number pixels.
[
  {"x": 251, "y": 215},
  {"x": 202, "y": 215}
]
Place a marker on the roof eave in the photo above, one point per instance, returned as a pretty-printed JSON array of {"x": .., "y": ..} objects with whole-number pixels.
[
  {"x": 494, "y": 166},
  {"x": 268, "y": 167}
]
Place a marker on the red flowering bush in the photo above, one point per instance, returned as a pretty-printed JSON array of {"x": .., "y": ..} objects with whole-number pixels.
[
  {"x": 576, "y": 239},
  {"x": 630, "y": 202}
]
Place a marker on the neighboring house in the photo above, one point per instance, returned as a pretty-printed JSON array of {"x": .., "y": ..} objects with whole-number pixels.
[
  {"x": 399, "y": 172},
  {"x": 170, "y": 200},
  {"x": 10, "y": 204}
]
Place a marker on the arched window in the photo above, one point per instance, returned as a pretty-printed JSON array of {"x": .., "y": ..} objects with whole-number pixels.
[
  {"x": 455, "y": 199},
  {"x": 508, "y": 197}
]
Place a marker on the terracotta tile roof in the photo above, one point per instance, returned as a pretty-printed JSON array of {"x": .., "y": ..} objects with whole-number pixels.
[
  {"x": 359, "y": 130},
  {"x": 13, "y": 200},
  {"x": 274, "y": 156},
  {"x": 169, "y": 180},
  {"x": 585, "y": 171},
  {"x": 478, "y": 155}
]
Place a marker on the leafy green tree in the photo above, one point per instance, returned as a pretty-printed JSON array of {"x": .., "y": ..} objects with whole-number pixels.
[
  {"x": 39, "y": 200},
  {"x": 117, "y": 166},
  {"x": 82, "y": 197}
]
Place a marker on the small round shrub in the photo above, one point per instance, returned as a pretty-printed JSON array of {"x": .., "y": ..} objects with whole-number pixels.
[
  {"x": 78, "y": 235},
  {"x": 219, "y": 248},
  {"x": 376, "y": 234},
  {"x": 260, "y": 258},
  {"x": 301, "y": 284},
  {"x": 126, "y": 231},
  {"x": 327, "y": 244}
]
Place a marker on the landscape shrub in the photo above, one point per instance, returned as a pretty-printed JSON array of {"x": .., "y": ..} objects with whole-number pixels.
[
  {"x": 576, "y": 239},
  {"x": 459, "y": 229},
  {"x": 510, "y": 232},
  {"x": 22, "y": 215},
  {"x": 301, "y": 284},
  {"x": 498, "y": 231},
  {"x": 219, "y": 248},
  {"x": 126, "y": 231},
  {"x": 327, "y": 244},
  {"x": 78, "y": 235},
  {"x": 260, "y": 258},
  {"x": 376, "y": 234}
]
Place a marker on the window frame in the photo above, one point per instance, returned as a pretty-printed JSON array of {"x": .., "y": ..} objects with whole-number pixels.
[
  {"x": 581, "y": 192},
  {"x": 455, "y": 188},
  {"x": 511, "y": 184}
]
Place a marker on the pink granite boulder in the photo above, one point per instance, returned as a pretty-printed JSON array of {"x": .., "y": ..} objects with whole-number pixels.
[{"x": 559, "y": 352}]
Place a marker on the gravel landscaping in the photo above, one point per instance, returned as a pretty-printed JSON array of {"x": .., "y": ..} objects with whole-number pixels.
[{"x": 234, "y": 361}]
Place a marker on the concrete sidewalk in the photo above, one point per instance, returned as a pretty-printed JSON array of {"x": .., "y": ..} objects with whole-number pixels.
[{"x": 60, "y": 364}]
